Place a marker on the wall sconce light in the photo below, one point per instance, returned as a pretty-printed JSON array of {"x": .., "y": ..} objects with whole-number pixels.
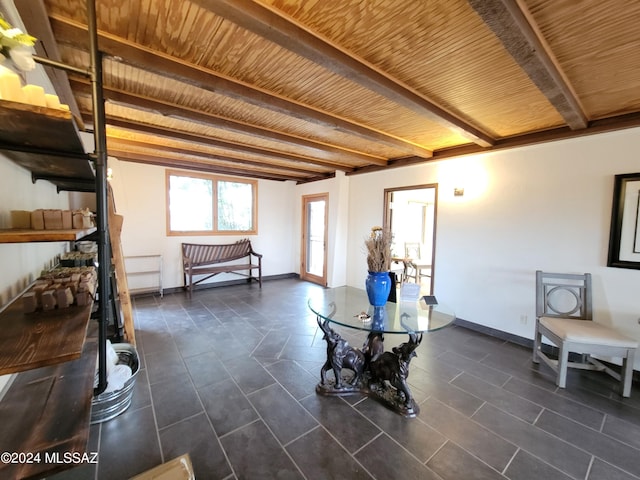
[
  {"x": 458, "y": 192},
  {"x": 109, "y": 173}
]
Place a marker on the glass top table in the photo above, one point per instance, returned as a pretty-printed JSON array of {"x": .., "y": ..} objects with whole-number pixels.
[
  {"x": 378, "y": 374},
  {"x": 349, "y": 307}
]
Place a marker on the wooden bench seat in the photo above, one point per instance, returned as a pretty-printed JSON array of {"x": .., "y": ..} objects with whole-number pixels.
[{"x": 210, "y": 260}]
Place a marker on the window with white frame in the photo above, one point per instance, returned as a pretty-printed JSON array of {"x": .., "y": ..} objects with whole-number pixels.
[{"x": 201, "y": 204}]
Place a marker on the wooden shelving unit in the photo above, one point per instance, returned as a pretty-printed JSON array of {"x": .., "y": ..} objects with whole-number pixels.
[
  {"x": 26, "y": 138},
  {"x": 29, "y": 236},
  {"x": 39, "y": 339},
  {"x": 48, "y": 411},
  {"x": 31, "y": 125}
]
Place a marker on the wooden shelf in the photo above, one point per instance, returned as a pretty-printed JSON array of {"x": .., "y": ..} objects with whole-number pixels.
[
  {"x": 48, "y": 411},
  {"x": 27, "y": 236},
  {"x": 39, "y": 339},
  {"x": 46, "y": 142},
  {"x": 39, "y": 127}
]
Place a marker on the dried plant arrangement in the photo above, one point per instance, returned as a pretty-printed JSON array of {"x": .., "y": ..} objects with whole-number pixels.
[{"x": 378, "y": 250}]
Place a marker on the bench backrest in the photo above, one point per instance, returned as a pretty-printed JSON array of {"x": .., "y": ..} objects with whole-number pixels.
[{"x": 200, "y": 254}]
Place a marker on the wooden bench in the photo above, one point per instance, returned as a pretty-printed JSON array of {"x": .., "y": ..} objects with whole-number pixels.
[{"x": 198, "y": 259}]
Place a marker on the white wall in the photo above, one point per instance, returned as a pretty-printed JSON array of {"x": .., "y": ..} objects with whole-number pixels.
[
  {"x": 139, "y": 193},
  {"x": 338, "y": 218},
  {"x": 21, "y": 263},
  {"x": 542, "y": 207}
]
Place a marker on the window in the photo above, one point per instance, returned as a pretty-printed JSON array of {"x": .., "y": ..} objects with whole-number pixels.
[{"x": 199, "y": 204}]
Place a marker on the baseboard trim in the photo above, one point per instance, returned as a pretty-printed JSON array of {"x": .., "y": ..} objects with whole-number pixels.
[
  {"x": 492, "y": 332},
  {"x": 522, "y": 341},
  {"x": 225, "y": 283}
]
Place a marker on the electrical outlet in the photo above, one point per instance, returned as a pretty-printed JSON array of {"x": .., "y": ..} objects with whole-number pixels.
[{"x": 523, "y": 319}]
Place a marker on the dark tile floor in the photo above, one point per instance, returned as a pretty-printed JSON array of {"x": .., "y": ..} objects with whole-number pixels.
[{"x": 229, "y": 377}]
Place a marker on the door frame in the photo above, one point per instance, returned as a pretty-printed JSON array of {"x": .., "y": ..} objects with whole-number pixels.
[
  {"x": 387, "y": 220},
  {"x": 304, "y": 275}
]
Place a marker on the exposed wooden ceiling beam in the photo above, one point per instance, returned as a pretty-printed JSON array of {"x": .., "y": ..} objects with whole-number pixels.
[
  {"x": 320, "y": 150},
  {"x": 199, "y": 166},
  {"x": 515, "y": 28},
  {"x": 155, "y": 62},
  {"x": 273, "y": 26},
  {"x": 208, "y": 141},
  {"x": 121, "y": 144}
]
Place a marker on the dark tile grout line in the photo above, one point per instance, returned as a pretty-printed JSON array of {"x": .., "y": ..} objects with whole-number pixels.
[
  {"x": 218, "y": 438},
  {"x": 260, "y": 418},
  {"x": 565, "y": 398},
  {"x": 543, "y": 409}
]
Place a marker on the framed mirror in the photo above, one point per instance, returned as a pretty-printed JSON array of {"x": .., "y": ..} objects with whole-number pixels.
[{"x": 624, "y": 236}]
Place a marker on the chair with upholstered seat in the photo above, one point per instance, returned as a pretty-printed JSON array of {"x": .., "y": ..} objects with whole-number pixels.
[
  {"x": 564, "y": 316},
  {"x": 416, "y": 266}
]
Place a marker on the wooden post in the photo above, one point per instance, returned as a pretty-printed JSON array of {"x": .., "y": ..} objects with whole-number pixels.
[{"x": 115, "y": 228}]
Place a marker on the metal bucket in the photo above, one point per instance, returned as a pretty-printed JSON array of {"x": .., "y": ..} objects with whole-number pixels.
[{"x": 109, "y": 405}]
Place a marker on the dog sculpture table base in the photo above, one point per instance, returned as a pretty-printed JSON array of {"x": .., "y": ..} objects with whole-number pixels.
[
  {"x": 389, "y": 397},
  {"x": 377, "y": 374}
]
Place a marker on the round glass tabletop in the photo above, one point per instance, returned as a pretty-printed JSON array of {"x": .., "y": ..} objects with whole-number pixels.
[{"x": 349, "y": 307}]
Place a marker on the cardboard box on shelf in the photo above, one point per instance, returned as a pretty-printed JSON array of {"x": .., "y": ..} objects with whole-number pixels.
[
  {"x": 48, "y": 300},
  {"x": 52, "y": 219},
  {"x": 37, "y": 219},
  {"x": 21, "y": 219},
  {"x": 29, "y": 302},
  {"x": 67, "y": 220}
]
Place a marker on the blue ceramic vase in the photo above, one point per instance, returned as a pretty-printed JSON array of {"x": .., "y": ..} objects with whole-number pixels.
[{"x": 378, "y": 286}]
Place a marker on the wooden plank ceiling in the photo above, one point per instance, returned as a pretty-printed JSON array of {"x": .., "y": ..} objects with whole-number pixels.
[{"x": 295, "y": 90}]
